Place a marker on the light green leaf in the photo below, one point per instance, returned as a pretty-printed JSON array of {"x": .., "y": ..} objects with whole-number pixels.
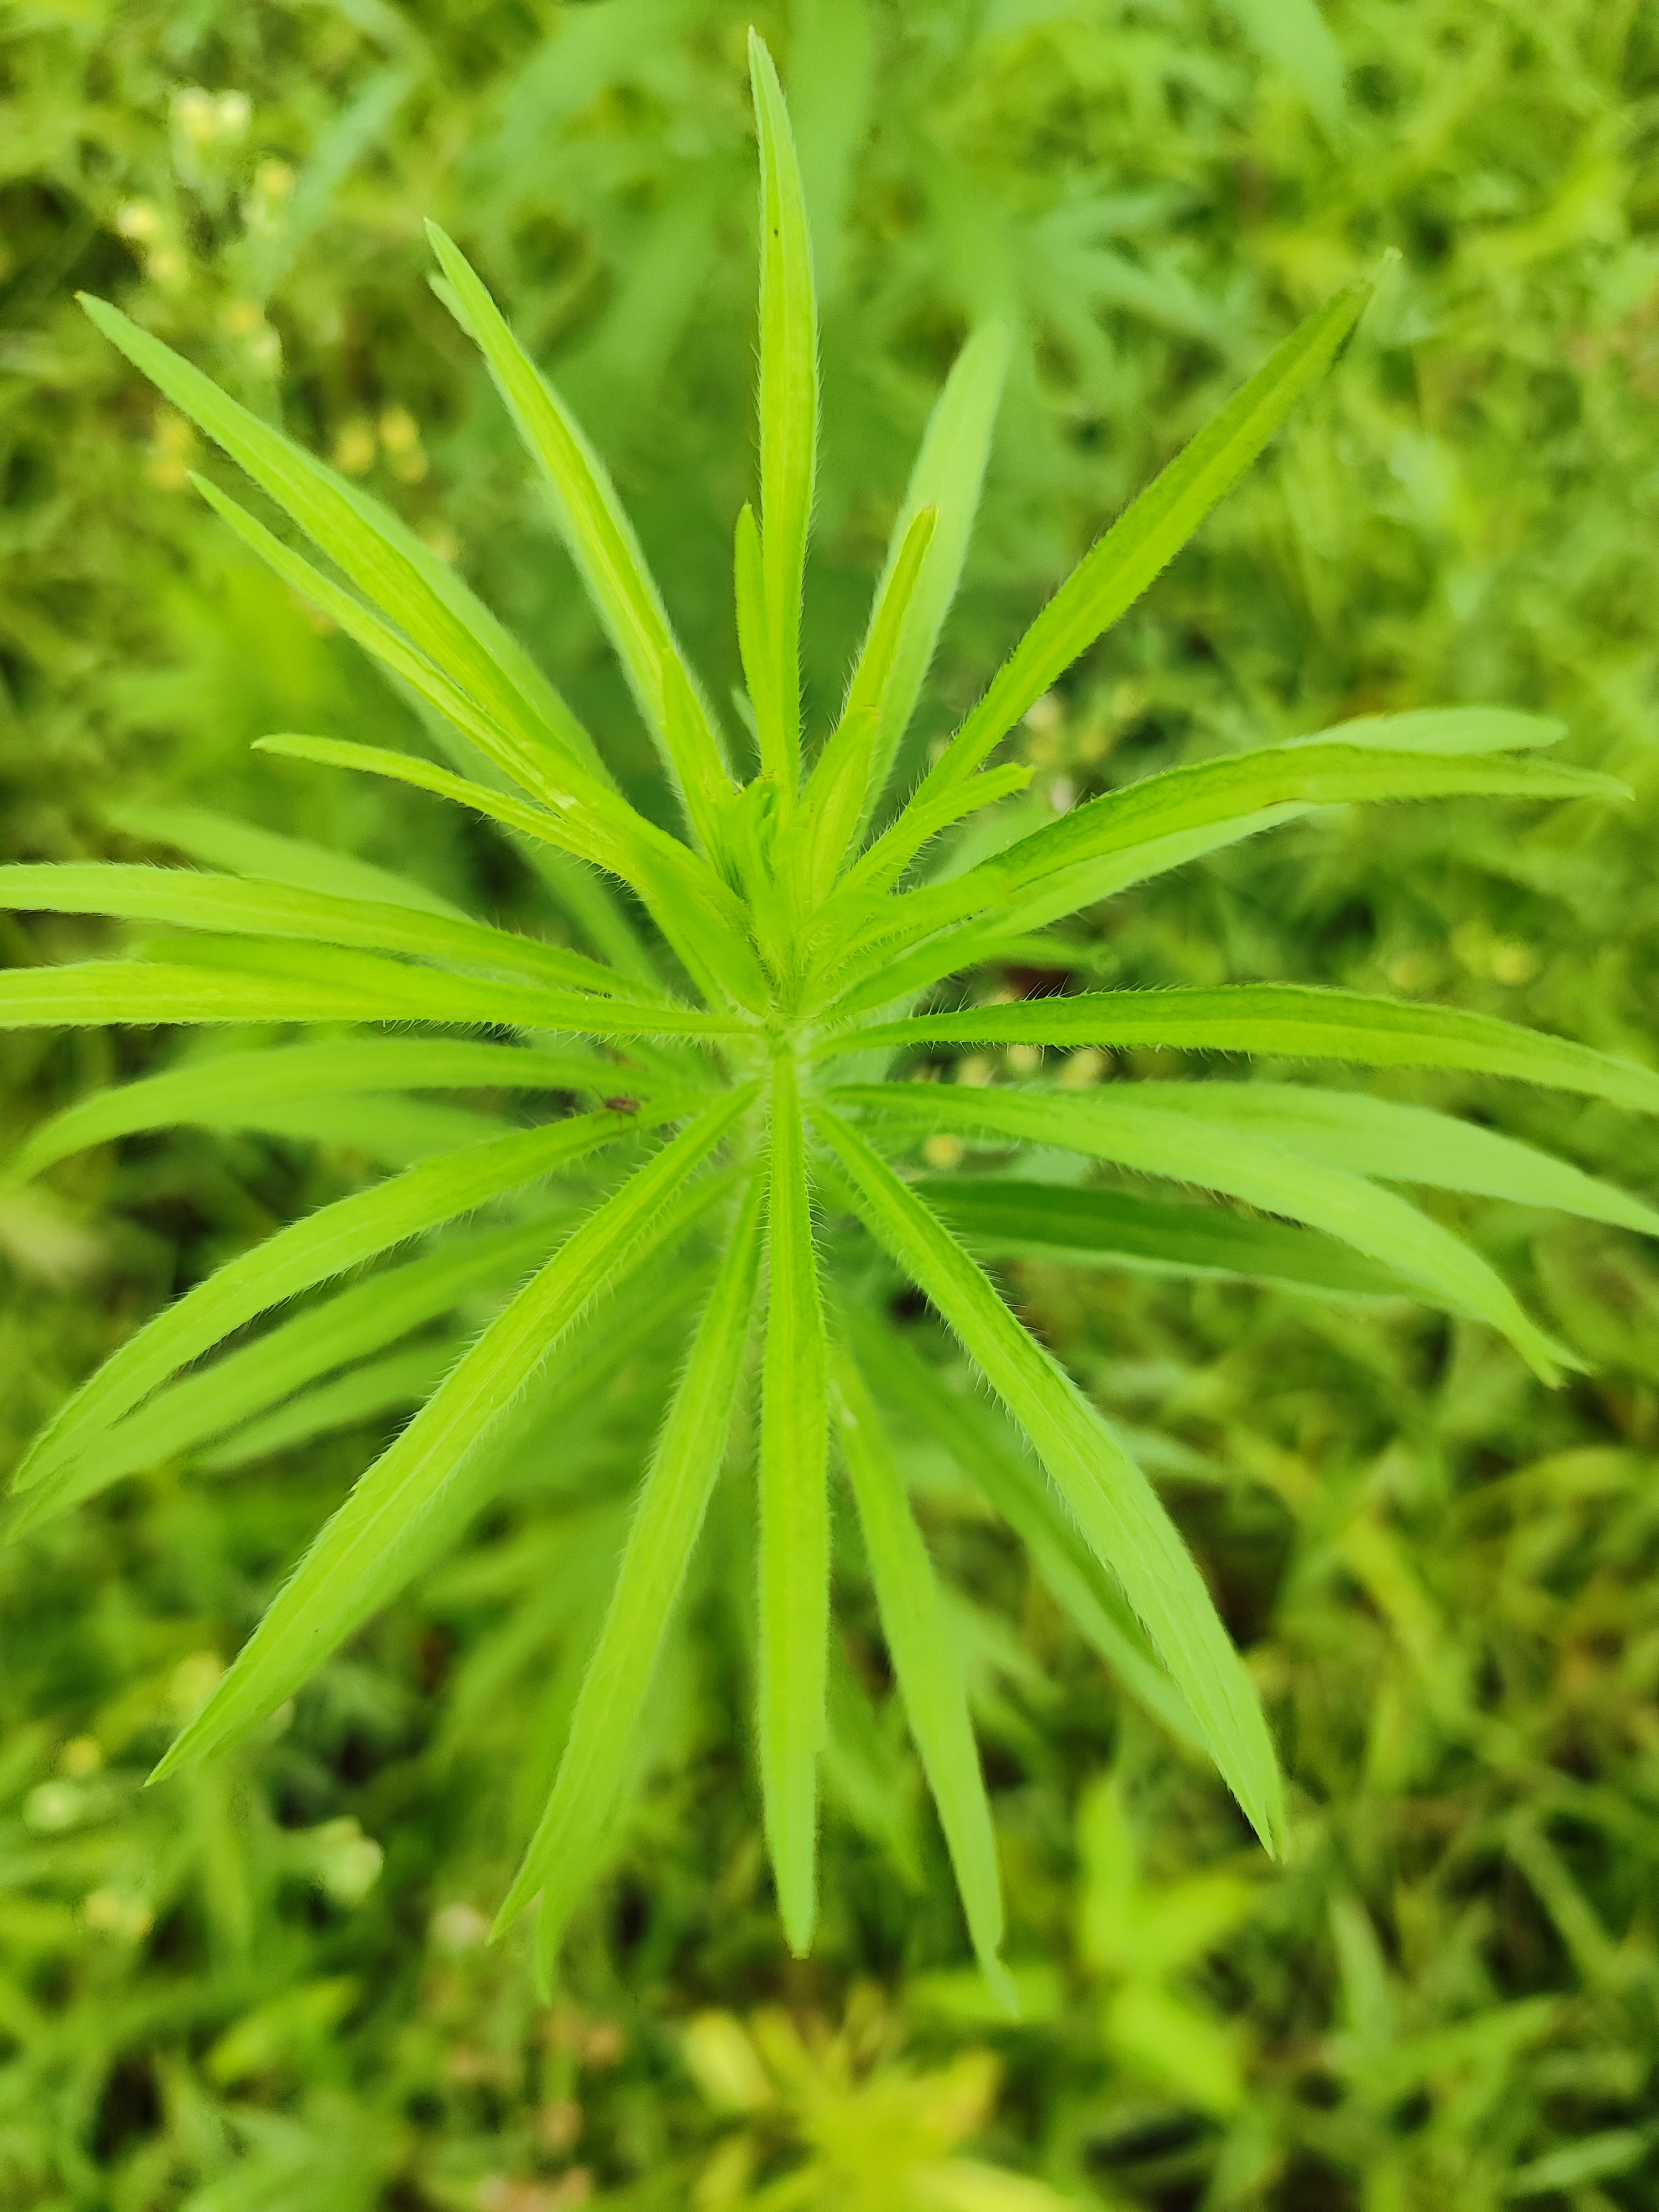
[
  {"x": 401, "y": 1378},
  {"x": 354, "y": 987},
  {"x": 841, "y": 791},
  {"x": 549, "y": 777},
  {"x": 925, "y": 1660},
  {"x": 679, "y": 888},
  {"x": 794, "y": 1521},
  {"x": 1114, "y": 1506},
  {"x": 391, "y": 1132},
  {"x": 788, "y": 412},
  {"x": 1088, "y": 1593},
  {"x": 596, "y": 534},
  {"x": 754, "y": 624},
  {"x": 1109, "y": 1127},
  {"x": 239, "y": 1091},
  {"x": 1286, "y": 1020},
  {"x": 538, "y": 728},
  {"x": 1005, "y": 1218},
  {"x": 1458, "y": 730},
  {"x": 598, "y": 1751},
  {"x": 1218, "y": 793},
  {"x": 1161, "y": 823},
  {"x": 1399, "y": 1144},
  {"x": 949, "y": 472},
  {"x": 331, "y": 1334},
  {"x": 219, "y": 841},
  {"x": 366, "y": 1550},
  {"x": 883, "y": 862},
  {"x": 328, "y": 1242},
  {"x": 1113, "y": 576},
  {"x": 182, "y": 896}
]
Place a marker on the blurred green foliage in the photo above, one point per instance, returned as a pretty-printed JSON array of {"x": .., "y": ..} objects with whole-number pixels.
[{"x": 267, "y": 1987}]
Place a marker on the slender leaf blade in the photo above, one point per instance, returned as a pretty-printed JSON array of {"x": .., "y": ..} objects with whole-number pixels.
[
  {"x": 363, "y": 1552},
  {"x": 1106, "y": 1127},
  {"x": 674, "y": 883},
  {"x": 328, "y": 1242},
  {"x": 331, "y": 1335},
  {"x": 560, "y": 1858},
  {"x": 795, "y": 1520},
  {"x": 378, "y": 559},
  {"x": 235, "y": 1090},
  {"x": 1395, "y": 1143},
  {"x": 1290, "y": 1021},
  {"x": 1114, "y": 1504},
  {"x": 1021, "y": 1493},
  {"x": 597, "y": 533},
  {"x": 354, "y": 988},
  {"x": 1112, "y": 576},
  {"x": 841, "y": 789},
  {"x": 1001, "y": 1217},
  {"x": 949, "y": 472},
  {"x": 362, "y": 1393},
  {"x": 788, "y": 410},
  {"x": 239, "y": 849},
  {"x": 1459, "y": 730},
  {"x": 929, "y": 1673},
  {"x": 193, "y": 900},
  {"x": 1127, "y": 836}
]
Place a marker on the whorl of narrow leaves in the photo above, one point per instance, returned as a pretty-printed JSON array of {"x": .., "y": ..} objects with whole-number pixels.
[{"x": 674, "y": 1108}]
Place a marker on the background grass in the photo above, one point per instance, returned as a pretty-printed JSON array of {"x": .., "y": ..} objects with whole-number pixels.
[{"x": 266, "y": 1986}]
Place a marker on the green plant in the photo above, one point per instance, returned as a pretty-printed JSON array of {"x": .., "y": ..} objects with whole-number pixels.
[
  {"x": 749, "y": 984},
  {"x": 877, "y": 2134}
]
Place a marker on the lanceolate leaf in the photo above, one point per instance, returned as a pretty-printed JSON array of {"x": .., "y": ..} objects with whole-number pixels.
[
  {"x": 326, "y": 1244},
  {"x": 236, "y": 1089},
  {"x": 378, "y": 558},
  {"x": 788, "y": 412},
  {"x": 1111, "y": 577},
  {"x": 1399, "y": 1144},
  {"x": 219, "y": 841},
  {"x": 754, "y": 622},
  {"x": 929, "y": 1672},
  {"x": 1110, "y": 1127},
  {"x": 842, "y": 786},
  {"x": 551, "y": 777},
  {"x": 355, "y": 1323},
  {"x": 264, "y": 909},
  {"x": 1114, "y": 1504},
  {"x": 883, "y": 863},
  {"x": 393, "y": 1132},
  {"x": 600, "y": 1746},
  {"x": 359, "y": 1557},
  {"x": 1288, "y": 1021},
  {"x": 1444, "y": 730},
  {"x": 381, "y": 1386},
  {"x": 597, "y": 533},
  {"x": 1150, "y": 827},
  {"x": 693, "y": 908},
  {"x": 352, "y": 988},
  {"x": 795, "y": 1520},
  {"x": 1005, "y": 1218},
  {"x": 947, "y": 475},
  {"x": 1021, "y": 1493}
]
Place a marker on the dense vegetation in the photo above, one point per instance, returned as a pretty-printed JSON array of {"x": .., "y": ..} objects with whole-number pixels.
[{"x": 266, "y": 1984}]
